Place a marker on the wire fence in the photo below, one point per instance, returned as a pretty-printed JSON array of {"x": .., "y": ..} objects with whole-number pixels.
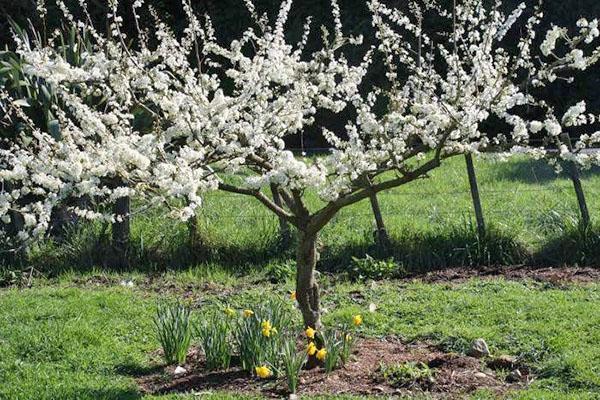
[{"x": 558, "y": 193}]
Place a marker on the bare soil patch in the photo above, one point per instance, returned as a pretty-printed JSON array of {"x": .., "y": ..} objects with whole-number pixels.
[
  {"x": 454, "y": 375},
  {"x": 553, "y": 275}
]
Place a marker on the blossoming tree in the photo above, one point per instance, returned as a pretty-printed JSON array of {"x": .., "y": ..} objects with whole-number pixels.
[
  {"x": 439, "y": 98},
  {"x": 95, "y": 149},
  {"x": 222, "y": 113},
  {"x": 440, "y": 95}
]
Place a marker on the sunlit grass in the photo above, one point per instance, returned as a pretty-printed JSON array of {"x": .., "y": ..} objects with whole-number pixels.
[
  {"x": 61, "y": 342},
  {"x": 531, "y": 214}
]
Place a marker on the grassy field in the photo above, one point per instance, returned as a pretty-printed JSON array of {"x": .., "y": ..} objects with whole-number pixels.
[
  {"x": 531, "y": 213},
  {"x": 78, "y": 334},
  {"x": 87, "y": 337}
]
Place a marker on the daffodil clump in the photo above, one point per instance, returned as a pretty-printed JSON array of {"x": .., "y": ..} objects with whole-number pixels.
[
  {"x": 337, "y": 344},
  {"x": 263, "y": 336},
  {"x": 292, "y": 362},
  {"x": 173, "y": 330},
  {"x": 349, "y": 339},
  {"x": 214, "y": 334},
  {"x": 257, "y": 335}
]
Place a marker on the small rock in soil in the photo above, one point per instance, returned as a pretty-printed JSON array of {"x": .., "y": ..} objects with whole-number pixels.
[
  {"x": 179, "y": 370},
  {"x": 479, "y": 348},
  {"x": 515, "y": 376},
  {"x": 504, "y": 361},
  {"x": 480, "y": 375}
]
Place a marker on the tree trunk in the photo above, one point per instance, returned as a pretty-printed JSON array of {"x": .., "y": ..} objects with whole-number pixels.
[
  {"x": 307, "y": 289},
  {"x": 120, "y": 231},
  {"x": 381, "y": 236},
  {"x": 475, "y": 196}
]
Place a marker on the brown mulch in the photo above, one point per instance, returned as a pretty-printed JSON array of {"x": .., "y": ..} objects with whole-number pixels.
[
  {"x": 554, "y": 275},
  {"x": 558, "y": 276},
  {"x": 454, "y": 375}
]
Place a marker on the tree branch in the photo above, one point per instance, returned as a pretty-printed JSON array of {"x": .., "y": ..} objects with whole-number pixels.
[
  {"x": 263, "y": 199},
  {"x": 321, "y": 217}
]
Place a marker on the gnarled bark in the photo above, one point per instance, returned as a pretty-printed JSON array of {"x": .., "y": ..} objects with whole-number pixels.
[{"x": 307, "y": 288}]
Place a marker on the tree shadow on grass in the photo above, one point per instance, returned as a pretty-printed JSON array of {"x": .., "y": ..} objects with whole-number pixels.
[
  {"x": 137, "y": 370},
  {"x": 422, "y": 252},
  {"x": 533, "y": 171},
  {"x": 87, "y": 250},
  {"x": 413, "y": 252},
  {"x": 575, "y": 245},
  {"x": 459, "y": 246}
]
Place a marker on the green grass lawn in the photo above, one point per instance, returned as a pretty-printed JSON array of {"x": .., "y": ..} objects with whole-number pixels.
[
  {"x": 531, "y": 213},
  {"x": 71, "y": 340},
  {"x": 78, "y": 334},
  {"x": 522, "y": 198}
]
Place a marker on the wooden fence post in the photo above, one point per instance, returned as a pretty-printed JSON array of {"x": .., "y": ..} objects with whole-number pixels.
[
  {"x": 576, "y": 179},
  {"x": 381, "y": 235},
  {"x": 475, "y": 196},
  {"x": 192, "y": 225},
  {"x": 284, "y": 228},
  {"x": 120, "y": 230},
  {"x": 583, "y": 209}
]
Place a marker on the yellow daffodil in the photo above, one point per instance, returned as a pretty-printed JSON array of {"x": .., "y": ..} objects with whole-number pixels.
[
  {"x": 267, "y": 328},
  {"x": 321, "y": 354},
  {"x": 263, "y": 371},
  {"x": 293, "y": 295},
  {"x": 248, "y": 313},
  {"x": 348, "y": 337},
  {"x": 357, "y": 320},
  {"x": 310, "y": 333},
  {"x": 230, "y": 312},
  {"x": 311, "y": 349}
]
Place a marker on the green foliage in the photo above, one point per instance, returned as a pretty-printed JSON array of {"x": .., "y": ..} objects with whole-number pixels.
[
  {"x": 333, "y": 342},
  {"x": 258, "y": 345},
  {"x": 370, "y": 268},
  {"x": 173, "y": 330},
  {"x": 279, "y": 272},
  {"x": 214, "y": 332},
  {"x": 292, "y": 362},
  {"x": 406, "y": 374},
  {"x": 348, "y": 343},
  {"x": 35, "y": 95}
]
